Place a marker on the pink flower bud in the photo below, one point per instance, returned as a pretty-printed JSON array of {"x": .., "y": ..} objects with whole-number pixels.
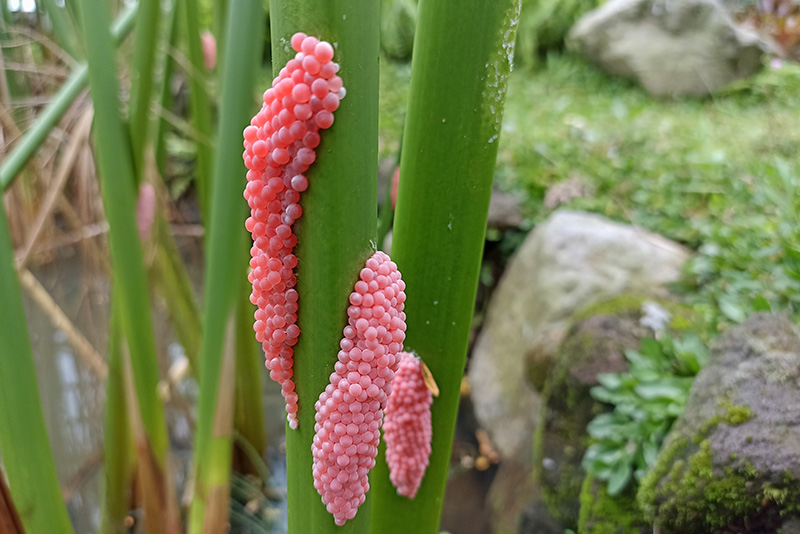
[
  {"x": 145, "y": 210},
  {"x": 209, "y": 45}
]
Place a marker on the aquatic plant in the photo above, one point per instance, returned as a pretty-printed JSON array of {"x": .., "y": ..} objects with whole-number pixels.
[{"x": 451, "y": 141}]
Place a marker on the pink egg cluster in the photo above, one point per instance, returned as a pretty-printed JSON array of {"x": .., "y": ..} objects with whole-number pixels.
[
  {"x": 279, "y": 148},
  {"x": 350, "y": 410},
  {"x": 407, "y": 429}
]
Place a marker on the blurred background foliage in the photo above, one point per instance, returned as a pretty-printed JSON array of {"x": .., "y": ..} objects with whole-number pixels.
[{"x": 542, "y": 27}]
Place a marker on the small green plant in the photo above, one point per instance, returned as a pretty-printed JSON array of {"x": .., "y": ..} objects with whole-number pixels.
[{"x": 647, "y": 400}]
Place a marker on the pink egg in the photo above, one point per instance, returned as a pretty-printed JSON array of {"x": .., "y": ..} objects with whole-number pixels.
[
  {"x": 407, "y": 426},
  {"x": 352, "y": 404},
  {"x": 279, "y": 148}
]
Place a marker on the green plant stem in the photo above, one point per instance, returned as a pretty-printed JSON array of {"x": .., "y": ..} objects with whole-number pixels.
[
  {"x": 148, "y": 23},
  {"x": 24, "y": 443},
  {"x": 167, "y": 67},
  {"x": 459, "y": 70},
  {"x": 73, "y": 6},
  {"x": 118, "y": 460},
  {"x": 337, "y": 231},
  {"x": 37, "y": 134},
  {"x": 226, "y": 260},
  {"x": 115, "y": 170},
  {"x": 9, "y": 85},
  {"x": 386, "y": 214},
  {"x": 119, "y": 199},
  {"x": 220, "y": 13},
  {"x": 169, "y": 275},
  {"x": 168, "y": 270},
  {"x": 200, "y": 107},
  {"x": 5, "y": 14},
  {"x": 63, "y": 27},
  {"x": 249, "y": 415}
]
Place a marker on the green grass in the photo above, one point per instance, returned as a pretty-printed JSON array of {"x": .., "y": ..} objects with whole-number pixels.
[{"x": 716, "y": 174}]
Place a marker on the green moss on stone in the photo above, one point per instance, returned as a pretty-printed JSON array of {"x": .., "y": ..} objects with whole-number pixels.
[
  {"x": 602, "y": 514},
  {"x": 560, "y": 496},
  {"x": 682, "y": 317},
  {"x": 567, "y": 405},
  {"x": 684, "y": 492},
  {"x": 620, "y": 305},
  {"x": 738, "y": 415},
  {"x": 733, "y": 416}
]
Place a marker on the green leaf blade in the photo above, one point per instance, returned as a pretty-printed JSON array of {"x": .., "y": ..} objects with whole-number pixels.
[
  {"x": 24, "y": 443},
  {"x": 461, "y": 60}
]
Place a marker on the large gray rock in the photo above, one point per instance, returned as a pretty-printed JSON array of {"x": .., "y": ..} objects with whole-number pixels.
[
  {"x": 737, "y": 7},
  {"x": 732, "y": 461},
  {"x": 596, "y": 343},
  {"x": 568, "y": 262},
  {"x": 671, "y": 47}
]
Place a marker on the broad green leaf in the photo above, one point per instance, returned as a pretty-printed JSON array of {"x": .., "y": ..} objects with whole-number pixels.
[
  {"x": 732, "y": 308},
  {"x": 619, "y": 478}
]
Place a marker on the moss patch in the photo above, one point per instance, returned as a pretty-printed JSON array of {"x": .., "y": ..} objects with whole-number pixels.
[
  {"x": 683, "y": 318},
  {"x": 603, "y": 514},
  {"x": 685, "y": 491}
]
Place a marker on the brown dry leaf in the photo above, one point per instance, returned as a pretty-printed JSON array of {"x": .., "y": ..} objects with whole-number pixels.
[
  {"x": 430, "y": 383},
  {"x": 218, "y": 496},
  {"x": 9, "y": 519},
  {"x": 160, "y": 505}
]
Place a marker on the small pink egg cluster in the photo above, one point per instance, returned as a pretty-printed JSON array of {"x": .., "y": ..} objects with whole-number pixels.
[
  {"x": 350, "y": 410},
  {"x": 279, "y": 148},
  {"x": 407, "y": 429}
]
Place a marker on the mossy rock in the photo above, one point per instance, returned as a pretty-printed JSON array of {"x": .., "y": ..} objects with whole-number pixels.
[
  {"x": 595, "y": 343},
  {"x": 593, "y": 340},
  {"x": 603, "y": 514},
  {"x": 732, "y": 462}
]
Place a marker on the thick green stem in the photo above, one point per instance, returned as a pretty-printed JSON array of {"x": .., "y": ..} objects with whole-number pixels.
[
  {"x": 37, "y": 134},
  {"x": 24, "y": 444},
  {"x": 115, "y": 170},
  {"x": 119, "y": 199},
  {"x": 462, "y": 56},
  {"x": 226, "y": 261},
  {"x": 337, "y": 232}
]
